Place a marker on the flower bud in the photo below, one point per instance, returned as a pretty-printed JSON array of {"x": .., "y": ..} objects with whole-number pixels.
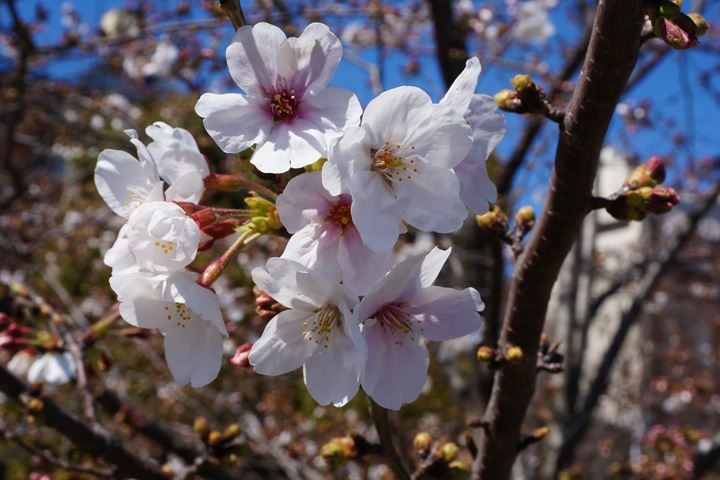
[
  {"x": 649, "y": 174},
  {"x": 211, "y": 273},
  {"x": 541, "y": 432},
  {"x": 339, "y": 448},
  {"x": 485, "y": 353},
  {"x": 188, "y": 207},
  {"x": 201, "y": 426},
  {"x": 494, "y": 220},
  {"x": 264, "y": 215},
  {"x": 214, "y": 438},
  {"x": 231, "y": 432},
  {"x": 525, "y": 218},
  {"x": 514, "y": 354},
  {"x": 679, "y": 32},
  {"x": 204, "y": 217},
  {"x": 701, "y": 23},
  {"x": 265, "y": 306},
  {"x": 509, "y": 101},
  {"x": 35, "y": 405},
  {"x": 661, "y": 200},
  {"x": 422, "y": 442},
  {"x": 521, "y": 82},
  {"x": 242, "y": 355},
  {"x": 449, "y": 451},
  {"x": 221, "y": 229},
  {"x": 224, "y": 182}
]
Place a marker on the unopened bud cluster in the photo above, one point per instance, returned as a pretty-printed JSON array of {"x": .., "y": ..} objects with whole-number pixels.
[
  {"x": 264, "y": 216},
  {"x": 527, "y": 97},
  {"x": 642, "y": 194}
]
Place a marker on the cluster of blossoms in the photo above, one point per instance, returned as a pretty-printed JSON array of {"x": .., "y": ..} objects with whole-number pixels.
[{"x": 351, "y": 318}]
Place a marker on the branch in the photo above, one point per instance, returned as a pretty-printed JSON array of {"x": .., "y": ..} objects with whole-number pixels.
[
  {"x": 233, "y": 11},
  {"x": 382, "y": 424},
  {"x": 611, "y": 57},
  {"x": 450, "y": 43},
  {"x": 81, "y": 434},
  {"x": 654, "y": 273}
]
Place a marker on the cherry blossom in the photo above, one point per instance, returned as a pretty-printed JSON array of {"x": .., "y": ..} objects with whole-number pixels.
[
  {"x": 532, "y": 22},
  {"x": 398, "y": 167},
  {"x": 401, "y": 311},
  {"x": 161, "y": 237},
  {"x": 488, "y": 127},
  {"x": 287, "y": 109},
  {"x": 318, "y": 332},
  {"x": 179, "y": 161},
  {"x": 324, "y": 236},
  {"x": 126, "y": 182},
  {"x": 54, "y": 368},
  {"x": 187, "y": 314}
]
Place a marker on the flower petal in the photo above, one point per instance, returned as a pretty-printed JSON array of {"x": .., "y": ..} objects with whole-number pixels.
[
  {"x": 461, "y": 91},
  {"x": 279, "y": 279},
  {"x": 282, "y": 347},
  {"x": 394, "y": 374},
  {"x": 233, "y": 122},
  {"x": 194, "y": 353},
  {"x": 187, "y": 188},
  {"x": 378, "y": 225},
  {"x": 447, "y": 313},
  {"x": 303, "y": 201},
  {"x": 333, "y": 109},
  {"x": 389, "y": 116},
  {"x": 122, "y": 181},
  {"x": 316, "y": 247},
  {"x": 252, "y": 56},
  {"x": 318, "y": 53},
  {"x": 361, "y": 267}
]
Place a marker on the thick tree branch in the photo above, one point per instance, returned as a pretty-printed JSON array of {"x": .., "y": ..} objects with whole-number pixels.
[
  {"x": 611, "y": 57},
  {"x": 653, "y": 274},
  {"x": 382, "y": 424},
  {"x": 450, "y": 46},
  {"x": 81, "y": 434}
]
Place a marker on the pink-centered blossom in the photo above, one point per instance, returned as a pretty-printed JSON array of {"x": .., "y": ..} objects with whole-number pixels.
[
  {"x": 324, "y": 237},
  {"x": 287, "y": 110},
  {"x": 400, "y": 312}
]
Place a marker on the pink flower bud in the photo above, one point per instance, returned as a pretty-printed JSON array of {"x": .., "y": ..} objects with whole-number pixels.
[
  {"x": 680, "y": 32},
  {"x": 221, "y": 229},
  {"x": 204, "y": 217},
  {"x": 188, "y": 207},
  {"x": 242, "y": 355},
  {"x": 661, "y": 200},
  {"x": 211, "y": 273},
  {"x": 649, "y": 174}
]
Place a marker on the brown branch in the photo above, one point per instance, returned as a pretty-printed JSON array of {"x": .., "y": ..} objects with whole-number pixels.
[
  {"x": 611, "y": 57},
  {"x": 81, "y": 434},
  {"x": 653, "y": 274},
  {"x": 47, "y": 457},
  {"x": 451, "y": 51},
  {"x": 384, "y": 429},
  {"x": 234, "y": 12},
  {"x": 170, "y": 441}
]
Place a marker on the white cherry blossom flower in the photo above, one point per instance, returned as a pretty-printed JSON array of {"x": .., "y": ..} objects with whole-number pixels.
[
  {"x": 398, "y": 167},
  {"x": 179, "y": 161},
  {"x": 53, "y": 368},
  {"x": 287, "y": 110},
  {"x": 324, "y": 237},
  {"x": 488, "y": 127},
  {"x": 187, "y": 314},
  {"x": 126, "y": 182},
  {"x": 401, "y": 310},
  {"x": 161, "y": 237},
  {"x": 318, "y": 332}
]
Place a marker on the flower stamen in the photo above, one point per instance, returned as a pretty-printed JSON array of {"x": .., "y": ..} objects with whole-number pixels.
[
  {"x": 319, "y": 328},
  {"x": 283, "y": 104},
  {"x": 394, "y": 320},
  {"x": 340, "y": 215}
]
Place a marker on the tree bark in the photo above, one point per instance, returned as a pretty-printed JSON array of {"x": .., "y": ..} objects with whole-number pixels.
[{"x": 611, "y": 57}]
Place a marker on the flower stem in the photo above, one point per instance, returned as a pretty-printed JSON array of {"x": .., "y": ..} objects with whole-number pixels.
[
  {"x": 229, "y": 182},
  {"x": 213, "y": 271},
  {"x": 384, "y": 429}
]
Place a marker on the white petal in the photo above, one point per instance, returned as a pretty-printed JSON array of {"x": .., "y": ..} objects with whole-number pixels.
[
  {"x": 461, "y": 91},
  {"x": 393, "y": 374},
  {"x": 389, "y": 115},
  {"x": 232, "y": 121},
  {"x": 334, "y": 109},
  {"x": 181, "y": 287},
  {"x": 447, "y": 313},
  {"x": 443, "y": 140},
  {"x": 279, "y": 279},
  {"x": 303, "y": 201},
  {"x": 187, "y": 188},
  {"x": 252, "y": 56},
  {"x": 347, "y": 156},
  {"x": 316, "y": 247},
  {"x": 318, "y": 53},
  {"x": 361, "y": 267},
  {"x": 121, "y": 181},
  {"x": 293, "y": 144},
  {"x": 119, "y": 254},
  {"x": 176, "y": 162},
  {"x": 332, "y": 374},
  {"x": 194, "y": 353},
  {"x": 432, "y": 263},
  {"x": 431, "y": 200},
  {"x": 282, "y": 347},
  {"x": 378, "y": 225}
]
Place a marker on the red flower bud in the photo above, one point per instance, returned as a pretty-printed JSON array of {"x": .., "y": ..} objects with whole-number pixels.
[
  {"x": 662, "y": 200},
  {"x": 204, "y": 217},
  {"x": 188, "y": 207},
  {"x": 679, "y": 32},
  {"x": 221, "y": 229}
]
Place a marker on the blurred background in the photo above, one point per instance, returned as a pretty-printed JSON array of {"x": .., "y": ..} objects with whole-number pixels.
[{"x": 632, "y": 391}]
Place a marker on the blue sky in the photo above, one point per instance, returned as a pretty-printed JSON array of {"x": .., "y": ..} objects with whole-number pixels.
[{"x": 664, "y": 87}]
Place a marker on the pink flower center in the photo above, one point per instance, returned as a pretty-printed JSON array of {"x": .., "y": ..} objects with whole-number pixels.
[
  {"x": 340, "y": 215},
  {"x": 396, "y": 322},
  {"x": 284, "y": 105}
]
